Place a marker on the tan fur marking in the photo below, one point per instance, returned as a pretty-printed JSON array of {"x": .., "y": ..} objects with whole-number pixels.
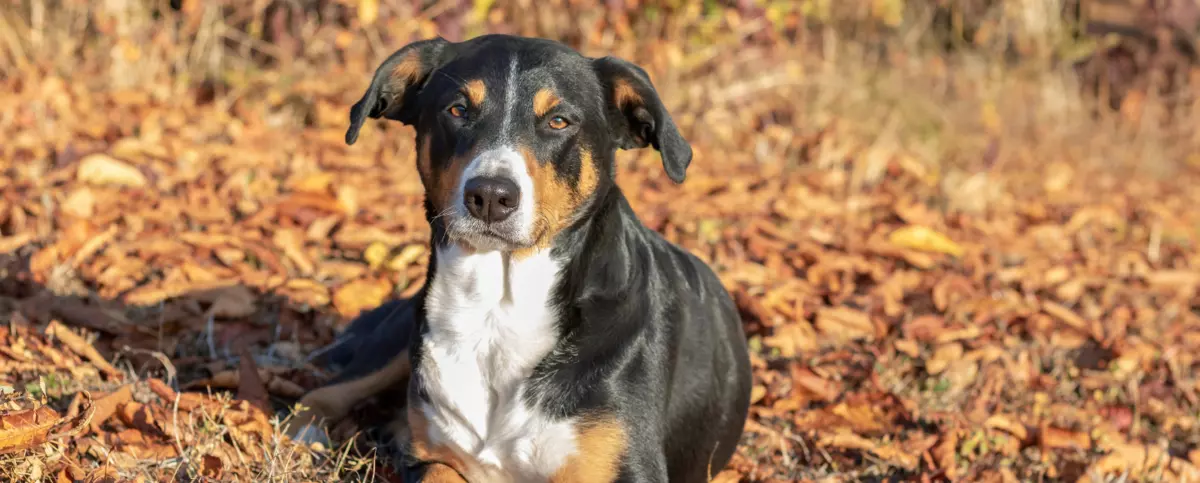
[
  {"x": 446, "y": 181},
  {"x": 543, "y": 102},
  {"x": 588, "y": 177},
  {"x": 624, "y": 94},
  {"x": 439, "y": 473},
  {"x": 556, "y": 200},
  {"x": 601, "y": 442},
  {"x": 424, "y": 162},
  {"x": 331, "y": 403},
  {"x": 407, "y": 71},
  {"x": 476, "y": 92}
]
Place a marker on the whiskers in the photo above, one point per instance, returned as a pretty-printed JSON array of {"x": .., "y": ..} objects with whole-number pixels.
[{"x": 451, "y": 221}]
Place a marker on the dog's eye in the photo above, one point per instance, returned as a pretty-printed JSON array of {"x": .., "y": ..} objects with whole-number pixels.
[
  {"x": 458, "y": 110},
  {"x": 557, "y": 123}
]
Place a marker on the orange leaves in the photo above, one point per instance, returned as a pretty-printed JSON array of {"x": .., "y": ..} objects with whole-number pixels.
[
  {"x": 25, "y": 428},
  {"x": 842, "y": 324},
  {"x": 360, "y": 295},
  {"x": 905, "y": 310},
  {"x": 925, "y": 239},
  {"x": 101, "y": 169}
]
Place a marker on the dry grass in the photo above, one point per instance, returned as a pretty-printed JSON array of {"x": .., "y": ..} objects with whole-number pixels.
[{"x": 819, "y": 128}]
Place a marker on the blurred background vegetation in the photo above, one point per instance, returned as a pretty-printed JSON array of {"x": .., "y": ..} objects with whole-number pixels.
[
  {"x": 941, "y": 84},
  {"x": 971, "y": 107}
]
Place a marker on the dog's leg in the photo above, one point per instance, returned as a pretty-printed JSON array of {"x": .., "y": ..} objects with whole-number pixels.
[
  {"x": 440, "y": 473},
  {"x": 331, "y": 403}
]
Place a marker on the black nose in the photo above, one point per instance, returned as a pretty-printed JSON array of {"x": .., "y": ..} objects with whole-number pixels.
[{"x": 491, "y": 199}]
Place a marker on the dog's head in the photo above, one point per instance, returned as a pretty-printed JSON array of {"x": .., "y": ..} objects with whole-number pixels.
[{"x": 516, "y": 136}]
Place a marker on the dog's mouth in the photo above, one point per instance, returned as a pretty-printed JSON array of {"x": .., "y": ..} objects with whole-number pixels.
[{"x": 484, "y": 236}]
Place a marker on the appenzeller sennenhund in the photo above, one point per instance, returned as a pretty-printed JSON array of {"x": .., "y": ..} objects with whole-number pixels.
[{"x": 557, "y": 338}]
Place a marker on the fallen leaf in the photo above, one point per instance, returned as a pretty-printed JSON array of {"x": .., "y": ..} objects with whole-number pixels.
[
  {"x": 102, "y": 169},
  {"x": 1144, "y": 462},
  {"x": 315, "y": 182},
  {"x": 1007, "y": 424},
  {"x": 81, "y": 203},
  {"x": 359, "y": 295},
  {"x": 1051, "y": 437},
  {"x": 375, "y": 254},
  {"x": 231, "y": 302},
  {"x": 407, "y": 256},
  {"x": 823, "y": 389},
  {"x": 80, "y": 346},
  {"x": 757, "y": 393},
  {"x": 946, "y": 453},
  {"x": 24, "y": 429},
  {"x": 943, "y": 356},
  {"x": 793, "y": 339},
  {"x": 844, "y": 439},
  {"x": 107, "y": 406},
  {"x": 211, "y": 466},
  {"x": 922, "y": 238},
  {"x": 250, "y": 386},
  {"x": 292, "y": 244},
  {"x": 843, "y": 324},
  {"x": 139, "y": 416}
]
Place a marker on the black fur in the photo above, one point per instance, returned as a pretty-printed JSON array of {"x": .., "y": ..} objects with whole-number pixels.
[{"x": 647, "y": 332}]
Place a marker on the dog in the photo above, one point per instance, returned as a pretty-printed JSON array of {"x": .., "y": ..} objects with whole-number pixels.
[{"x": 556, "y": 338}]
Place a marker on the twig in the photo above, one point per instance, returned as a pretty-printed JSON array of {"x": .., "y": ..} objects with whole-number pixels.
[{"x": 208, "y": 336}]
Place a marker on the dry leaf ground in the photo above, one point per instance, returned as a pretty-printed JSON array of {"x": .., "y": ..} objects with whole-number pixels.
[{"x": 950, "y": 267}]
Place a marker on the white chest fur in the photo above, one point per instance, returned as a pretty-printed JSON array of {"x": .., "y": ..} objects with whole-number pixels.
[{"x": 490, "y": 322}]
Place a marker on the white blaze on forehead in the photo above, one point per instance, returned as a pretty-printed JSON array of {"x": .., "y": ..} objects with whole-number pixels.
[{"x": 510, "y": 97}]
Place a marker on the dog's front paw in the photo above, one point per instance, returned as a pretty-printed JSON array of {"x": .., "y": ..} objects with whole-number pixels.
[{"x": 439, "y": 473}]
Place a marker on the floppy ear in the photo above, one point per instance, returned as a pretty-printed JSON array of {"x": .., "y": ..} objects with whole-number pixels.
[
  {"x": 638, "y": 118},
  {"x": 393, "y": 90}
]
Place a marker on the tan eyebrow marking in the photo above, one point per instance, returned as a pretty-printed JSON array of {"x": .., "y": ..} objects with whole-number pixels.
[
  {"x": 544, "y": 101},
  {"x": 476, "y": 92}
]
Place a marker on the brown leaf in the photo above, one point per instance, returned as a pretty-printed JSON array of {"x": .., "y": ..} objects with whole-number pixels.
[
  {"x": 102, "y": 169},
  {"x": 1065, "y": 315},
  {"x": 139, "y": 416},
  {"x": 1050, "y": 437},
  {"x": 793, "y": 339},
  {"x": 408, "y": 255},
  {"x": 1008, "y": 425},
  {"x": 943, "y": 356},
  {"x": 250, "y": 385},
  {"x": 107, "y": 406},
  {"x": 80, "y": 346},
  {"x": 359, "y": 295},
  {"x": 757, "y": 393},
  {"x": 231, "y": 302},
  {"x": 211, "y": 466},
  {"x": 843, "y": 324},
  {"x": 946, "y": 453},
  {"x": 1144, "y": 462},
  {"x": 292, "y": 244},
  {"x": 823, "y": 389},
  {"x": 23, "y": 429},
  {"x": 81, "y": 203},
  {"x": 923, "y": 238},
  {"x": 843, "y": 439},
  {"x": 315, "y": 183}
]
